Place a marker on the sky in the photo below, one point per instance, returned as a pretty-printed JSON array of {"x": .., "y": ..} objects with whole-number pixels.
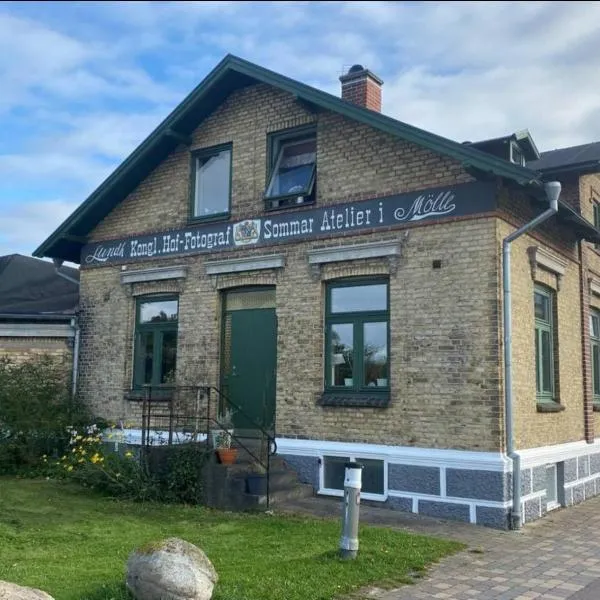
[{"x": 83, "y": 83}]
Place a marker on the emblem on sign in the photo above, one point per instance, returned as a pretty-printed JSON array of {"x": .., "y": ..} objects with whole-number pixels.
[{"x": 246, "y": 232}]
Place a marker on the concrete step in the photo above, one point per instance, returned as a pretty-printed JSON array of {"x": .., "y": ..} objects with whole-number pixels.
[{"x": 300, "y": 490}]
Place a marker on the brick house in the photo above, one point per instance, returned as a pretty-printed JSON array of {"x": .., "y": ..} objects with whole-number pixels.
[
  {"x": 338, "y": 274},
  {"x": 37, "y": 309}
]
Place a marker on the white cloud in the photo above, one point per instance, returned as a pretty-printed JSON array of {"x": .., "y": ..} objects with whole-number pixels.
[
  {"x": 25, "y": 226},
  {"x": 84, "y": 83}
]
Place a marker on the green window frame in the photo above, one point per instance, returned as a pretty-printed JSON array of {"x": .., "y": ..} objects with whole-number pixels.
[
  {"x": 357, "y": 339},
  {"x": 545, "y": 368},
  {"x": 291, "y": 159},
  {"x": 595, "y": 353},
  {"x": 155, "y": 353},
  {"x": 210, "y": 183},
  {"x": 596, "y": 209}
]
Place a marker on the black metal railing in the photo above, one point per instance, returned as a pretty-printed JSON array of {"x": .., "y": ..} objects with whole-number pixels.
[{"x": 189, "y": 412}]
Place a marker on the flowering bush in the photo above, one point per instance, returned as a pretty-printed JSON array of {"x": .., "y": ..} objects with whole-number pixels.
[{"x": 168, "y": 474}]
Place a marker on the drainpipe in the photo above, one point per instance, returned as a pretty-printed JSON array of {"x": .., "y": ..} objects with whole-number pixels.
[
  {"x": 74, "y": 324},
  {"x": 552, "y": 189}
]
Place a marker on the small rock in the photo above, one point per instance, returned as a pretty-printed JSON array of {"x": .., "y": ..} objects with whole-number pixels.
[
  {"x": 170, "y": 569},
  {"x": 12, "y": 591}
]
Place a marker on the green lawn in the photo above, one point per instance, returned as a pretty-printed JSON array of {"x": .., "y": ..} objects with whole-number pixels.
[{"x": 74, "y": 546}]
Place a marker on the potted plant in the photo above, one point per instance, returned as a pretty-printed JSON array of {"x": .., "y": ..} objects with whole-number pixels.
[
  {"x": 256, "y": 480},
  {"x": 224, "y": 423},
  {"x": 227, "y": 455}
]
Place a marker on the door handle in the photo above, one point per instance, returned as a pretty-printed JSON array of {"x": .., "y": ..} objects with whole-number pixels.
[{"x": 233, "y": 371}]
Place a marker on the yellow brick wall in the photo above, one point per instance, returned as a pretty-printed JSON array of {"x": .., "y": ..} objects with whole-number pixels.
[
  {"x": 531, "y": 427},
  {"x": 22, "y": 349}
]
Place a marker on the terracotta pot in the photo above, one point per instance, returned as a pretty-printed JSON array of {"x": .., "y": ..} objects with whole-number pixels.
[{"x": 227, "y": 456}]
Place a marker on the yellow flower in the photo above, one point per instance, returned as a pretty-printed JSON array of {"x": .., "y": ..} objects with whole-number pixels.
[
  {"x": 80, "y": 460},
  {"x": 63, "y": 457},
  {"x": 44, "y": 456},
  {"x": 128, "y": 454},
  {"x": 74, "y": 450},
  {"x": 70, "y": 468},
  {"x": 79, "y": 437}
]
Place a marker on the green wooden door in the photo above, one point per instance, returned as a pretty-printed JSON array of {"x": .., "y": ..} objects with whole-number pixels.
[{"x": 249, "y": 361}]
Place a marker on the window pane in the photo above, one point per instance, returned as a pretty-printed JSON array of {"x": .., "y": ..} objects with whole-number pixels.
[
  {"x": 359, "y": 298},
  {"x": 342, "y": 354},
  {"x": 375, "y": 354},
  {"x": 335, "y": 471},
  {"x": 542, "y": 308},
  {"x": 212, "y": 184},
  {"x": 594, "y": 325},
  {"x": 372, "y": 475},
  {"x": 294, "y": 168},
  {"x": 596, "y": 368},
  {"x": 551, "y": 496},
  {"x": 547, "y": 358},
  {"x": 157, "y": 312},
  {"x": 169, "y": 357},
  {"x": 147, "y": 355}
]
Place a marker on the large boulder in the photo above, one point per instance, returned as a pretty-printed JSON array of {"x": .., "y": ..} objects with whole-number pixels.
[
  {"x": 170, "y": 569},
  {"x": 12, "y": 591}
]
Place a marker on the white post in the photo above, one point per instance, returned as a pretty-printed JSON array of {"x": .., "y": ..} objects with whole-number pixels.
[{"x": 352, "y": 487}]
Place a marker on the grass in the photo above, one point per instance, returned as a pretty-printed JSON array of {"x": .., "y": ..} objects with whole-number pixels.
[{"x": 74, "y": 545}]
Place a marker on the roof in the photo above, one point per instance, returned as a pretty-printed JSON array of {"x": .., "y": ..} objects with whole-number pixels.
[
  {"x": 31, "y": 286},
  {"x": 523, "y": 138},
  {"x": 230, "y": 74},
  {"x": 585, "y": 157}
]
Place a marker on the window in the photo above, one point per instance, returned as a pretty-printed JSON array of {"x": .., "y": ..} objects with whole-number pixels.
[
  {"x": 292, "y": 168},
  {"x": 551, "y": 488},
  {"x": 516, "y": 154},
  {"x": 595, "y": 352},
  {"x": 334, "y": 470},
  {"x": 544, "y": 342},
  {"x": 597, "y": 215},
  {"x": 211, "y": 182},
  {"x": 155, "y": 341},
  {"x": 357, "y": 337}
]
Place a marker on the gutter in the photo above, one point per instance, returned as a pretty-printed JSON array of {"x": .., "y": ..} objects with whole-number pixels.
[{"x": 552, "y": 190}]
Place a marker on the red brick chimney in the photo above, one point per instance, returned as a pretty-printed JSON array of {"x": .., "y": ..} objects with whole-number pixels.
[{"x": 362, "y": 87}]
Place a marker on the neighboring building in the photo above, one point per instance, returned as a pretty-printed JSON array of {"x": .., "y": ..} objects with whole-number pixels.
[
  {"x": 338, "y": 274},
  {"x": 37, "y": 308}
]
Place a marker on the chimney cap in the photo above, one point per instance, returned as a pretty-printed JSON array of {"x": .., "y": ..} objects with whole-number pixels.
[{"x": 358, "y": 72}]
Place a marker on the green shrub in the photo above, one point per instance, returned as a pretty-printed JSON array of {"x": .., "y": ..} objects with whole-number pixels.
[
  {"x": 35, "y": 410},
  {"x": 161, "y": 473}
]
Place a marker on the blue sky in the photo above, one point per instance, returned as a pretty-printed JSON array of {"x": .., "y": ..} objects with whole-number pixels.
[{"x": 82, "y": 83}]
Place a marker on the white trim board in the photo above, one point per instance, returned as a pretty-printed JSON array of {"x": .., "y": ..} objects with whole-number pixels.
[
  {"x": 246, "y": 263},
  {"x": 426, "y": 457},
  {"x": 535, "y": 457},
  {"x": 319, "y": 256},
  {"x": 153, "y": 274}
]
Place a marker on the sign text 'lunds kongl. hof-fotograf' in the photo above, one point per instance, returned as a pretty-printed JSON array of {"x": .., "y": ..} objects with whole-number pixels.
[{"x": 426, "y": 205}]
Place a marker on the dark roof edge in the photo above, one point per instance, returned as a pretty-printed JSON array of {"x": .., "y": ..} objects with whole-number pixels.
[
  {"x": 37, "y": 316},
  {"x": 582, "y": 167},
  {"x": 469, "y": 156}
]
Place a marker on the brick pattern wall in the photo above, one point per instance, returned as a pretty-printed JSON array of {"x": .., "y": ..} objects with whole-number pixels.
[
  {"x": 444, "y": 351},
  {"x": 364, "y": 92},
  {"x": 588, "y": 188},
  {"x": 22, "y": 349},
  {"x": 533, "y": 428},
  {"x": 354, "y": 162}
]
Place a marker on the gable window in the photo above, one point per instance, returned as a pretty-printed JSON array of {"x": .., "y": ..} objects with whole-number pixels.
[
  {"x": 544, "y": 299},
  {"x": 516, "y": 154},
  {"x": 595, "y": 353},
  {"x": 292, "y": 169},
  {"x": 211, "y": 182},
  {"x": 155, "y": 357},
  {"x": 357, "y": 325}
]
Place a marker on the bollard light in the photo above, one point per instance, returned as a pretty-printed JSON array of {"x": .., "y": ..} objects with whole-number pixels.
[{"x": 352, "y": 487}]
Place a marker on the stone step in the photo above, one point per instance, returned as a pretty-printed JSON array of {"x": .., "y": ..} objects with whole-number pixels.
[{"x": 300, "y": 490}]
